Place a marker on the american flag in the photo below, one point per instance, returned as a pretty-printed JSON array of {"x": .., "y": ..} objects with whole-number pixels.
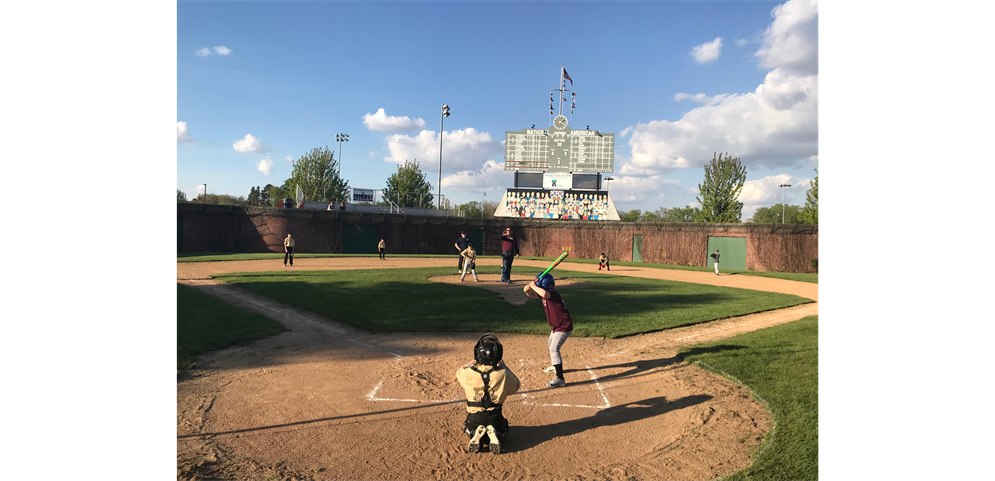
[{"x": 567, "y": 76}]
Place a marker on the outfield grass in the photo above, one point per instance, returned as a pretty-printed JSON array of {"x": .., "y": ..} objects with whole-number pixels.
[
  {"x": 222, "y": 256},
  {"x": 404, "y": 300},
  {"x": 205, "y": 323},
  {"x": 780, "y": 366}
]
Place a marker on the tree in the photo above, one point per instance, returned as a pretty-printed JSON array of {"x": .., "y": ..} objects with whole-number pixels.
[
  {"x": 276, "y": 194},
  {"x": 265, "y": 197},
  {"x": 317, "y": 175},
  {"x": 408, "y": 187},
  {"x": 631, "y": 216},
  {"x": 810, "y": 213},
  {"x": 180, "y": 196},
  {"x": 473, "y": 210},
  {"x": 772, "y": 215},
  {"x": 678, "y": 214},
  {"x": 253, "y": 198},
  {"x": 648, "y": 216},
  {"x": 724, "y": 179}
]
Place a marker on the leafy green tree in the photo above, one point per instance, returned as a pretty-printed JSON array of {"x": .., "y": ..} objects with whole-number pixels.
[
  {"x": 316, "y": 172},
  {"x": 253, "y": 198},
  {"x": 678, "y": 214},
  {"x": 180, "y": 196},
  {"x": 772, "y": 215},
  {"x": 631, "y": 216},
  {"x": 220, "y": 199},
  {"x": 719, "y": 194},
  {"x": 265, "y": 196},
  {"x": 810, "y": 212},
  {"x": 648, "y": 216},
  {"x": 472, "y": 209},
  {"x": 408, "y": 187},
  {"x": 276, "y": 194}
]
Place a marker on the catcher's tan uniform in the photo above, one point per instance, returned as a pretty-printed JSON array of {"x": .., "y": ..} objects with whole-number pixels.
[{"x": 502, "y": 383}]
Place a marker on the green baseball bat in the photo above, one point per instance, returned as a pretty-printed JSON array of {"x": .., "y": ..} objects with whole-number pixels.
[{"x": 554, "y": 264}]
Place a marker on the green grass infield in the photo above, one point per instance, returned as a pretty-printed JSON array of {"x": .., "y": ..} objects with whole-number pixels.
[
  {"x": 205, "y": 323},
  {"x": 222, "y": 256},
  {"x": 780, "y": 365},
  {"x": 404, "y": 300}
]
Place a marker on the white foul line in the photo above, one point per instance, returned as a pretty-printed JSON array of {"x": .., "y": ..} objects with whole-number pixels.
[{"x": 372, "y": 396}]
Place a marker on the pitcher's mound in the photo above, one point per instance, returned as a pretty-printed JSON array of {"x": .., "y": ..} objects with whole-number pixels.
[{"x": 512, "y": 293}]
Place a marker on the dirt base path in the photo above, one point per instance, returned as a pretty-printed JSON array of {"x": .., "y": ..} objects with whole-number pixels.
[{"x": 326, "y": 401}]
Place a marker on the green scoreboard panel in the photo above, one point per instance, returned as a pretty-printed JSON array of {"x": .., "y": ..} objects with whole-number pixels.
[{"x": 559, "y": 149}]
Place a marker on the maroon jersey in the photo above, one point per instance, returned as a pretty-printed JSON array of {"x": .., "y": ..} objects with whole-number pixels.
[{"x": 556, "y": 312}]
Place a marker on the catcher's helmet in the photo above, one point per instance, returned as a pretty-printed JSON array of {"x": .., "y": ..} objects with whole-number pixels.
[
  {"x": 488, "y": 350},
  {"x": 546, "y": 282}
]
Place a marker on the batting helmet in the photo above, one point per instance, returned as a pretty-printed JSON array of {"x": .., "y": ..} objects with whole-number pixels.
[
  {"x": 488, "y": 350},
  {"x": 546, "y": 282}
]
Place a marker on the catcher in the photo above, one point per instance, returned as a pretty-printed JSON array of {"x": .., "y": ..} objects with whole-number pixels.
[{"x": 487, "y": 383}]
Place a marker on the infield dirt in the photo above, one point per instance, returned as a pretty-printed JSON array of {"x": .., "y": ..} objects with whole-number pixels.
[{"x": 326, "y": 401}]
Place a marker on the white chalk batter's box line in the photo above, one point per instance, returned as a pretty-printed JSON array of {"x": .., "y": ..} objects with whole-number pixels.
[{"x": 526, "y": 397}]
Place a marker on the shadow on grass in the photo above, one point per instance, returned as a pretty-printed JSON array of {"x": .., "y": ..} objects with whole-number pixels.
[{"x": 521, "y": 438}]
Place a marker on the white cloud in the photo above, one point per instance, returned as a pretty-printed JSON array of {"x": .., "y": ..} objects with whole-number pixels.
[
  {"x": 462, "y": 149},
  {"x": 791, "y": 40},
  {"x": 373, "y": 154},
  {"x": 203, "y": 52},
  {"x": 222, "y": 50},
  {"x": 182, "y": 135},
  {"x": 700, "y": 98},
  {"x": 248, "y": 144},
  {"x": 265, "y": 165},
  {"x": 630, "y": 189},
  {"x": 775, "y": 125},
  {"x": 765, "y": 192},
  {"x": 382, "y": 122},
  {"x": 742, "y": 42},
  {"x": 289, "y": 159},
  {"x": 707, "y": 52},
  {"x": 490, "y": 177},
  {"x": 625, "y": 131}
]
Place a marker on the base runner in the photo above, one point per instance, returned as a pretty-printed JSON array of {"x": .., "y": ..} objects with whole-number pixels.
[{"x": 487, "y": 382}]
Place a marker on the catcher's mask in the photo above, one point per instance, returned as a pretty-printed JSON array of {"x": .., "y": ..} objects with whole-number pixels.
[{"x": 488, "y": 350}]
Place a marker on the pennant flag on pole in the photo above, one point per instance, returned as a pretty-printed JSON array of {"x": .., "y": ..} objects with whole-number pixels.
[{"x": 566, "y": 76}]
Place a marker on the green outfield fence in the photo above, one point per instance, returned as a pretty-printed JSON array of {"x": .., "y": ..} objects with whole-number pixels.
[{"x": 221, "y": 228}]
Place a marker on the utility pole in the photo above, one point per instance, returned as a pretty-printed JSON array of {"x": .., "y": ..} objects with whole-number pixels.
[{"x": 783, "y": 197}]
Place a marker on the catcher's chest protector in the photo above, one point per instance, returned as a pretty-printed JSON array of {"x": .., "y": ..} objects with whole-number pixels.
[{"x": 486, "y": 377}]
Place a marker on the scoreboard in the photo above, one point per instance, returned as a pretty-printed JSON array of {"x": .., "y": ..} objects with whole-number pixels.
[{"x": 559, "y": 149}]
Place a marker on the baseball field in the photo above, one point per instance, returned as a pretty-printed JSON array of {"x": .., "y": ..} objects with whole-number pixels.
[{"x": 343, "y": 368}]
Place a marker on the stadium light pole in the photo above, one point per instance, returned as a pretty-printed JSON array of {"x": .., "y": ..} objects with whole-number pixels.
[
  {"x": 205, "y": 195},
  {"x": 608, "y": 182},
  {"x": 341, "y": 138},
  {"x": 783, "y": 197},
  {"x": 483, "y": 200},
  {"x": 442, "y": 122}
]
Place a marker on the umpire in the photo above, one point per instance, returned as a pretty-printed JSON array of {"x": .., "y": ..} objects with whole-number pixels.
[{"x": 461, "y": 244}]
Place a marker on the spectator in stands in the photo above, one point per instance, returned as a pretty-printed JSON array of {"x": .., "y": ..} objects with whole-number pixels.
[
  {"x": 341, "y": 205},
  {"x": 331, "y": 205}
]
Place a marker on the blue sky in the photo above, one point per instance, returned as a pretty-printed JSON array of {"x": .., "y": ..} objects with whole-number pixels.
[{"x": 675, "y": 81}]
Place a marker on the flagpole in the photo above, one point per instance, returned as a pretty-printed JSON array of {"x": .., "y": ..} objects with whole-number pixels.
[{"x": 559, "y": 111}]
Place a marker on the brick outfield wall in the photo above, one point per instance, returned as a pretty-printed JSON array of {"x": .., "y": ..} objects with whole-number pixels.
[{"x": 215, "y": 228}]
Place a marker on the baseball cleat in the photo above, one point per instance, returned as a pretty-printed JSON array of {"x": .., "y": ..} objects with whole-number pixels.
[
  {"x": 495, "y": 444},
  {"x": 549, "y": 370},
  {"x": 556, "y": 382},
  {"x": 474, "y": 446}
]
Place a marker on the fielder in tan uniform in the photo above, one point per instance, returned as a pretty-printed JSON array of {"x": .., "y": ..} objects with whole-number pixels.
[
  {"x": 469, "y": 263},
  {"x": 487, "y": 382},
  {"x": 288, "y": 249}
]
